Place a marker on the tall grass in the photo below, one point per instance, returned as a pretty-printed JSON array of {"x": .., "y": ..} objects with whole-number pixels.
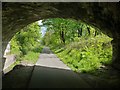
[
  {"x": 87, "y": 55},
  {"x": 31, "y": 57}
]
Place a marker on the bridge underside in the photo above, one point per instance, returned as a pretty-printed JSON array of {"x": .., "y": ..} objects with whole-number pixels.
[{"x": 105, "y": 16}]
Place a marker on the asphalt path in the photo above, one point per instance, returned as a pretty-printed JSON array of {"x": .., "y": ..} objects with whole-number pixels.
[{"x": 51, "y": 72}]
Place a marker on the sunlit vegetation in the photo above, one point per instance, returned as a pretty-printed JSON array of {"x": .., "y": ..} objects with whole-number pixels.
[
  {"x": 26, "y": 43},
  {"x": 81, "y": 46}
]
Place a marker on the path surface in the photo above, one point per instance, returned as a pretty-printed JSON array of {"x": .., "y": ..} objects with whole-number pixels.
[
  {"x": 50, "y": 72},
  {"x": 48, "y": 59}
]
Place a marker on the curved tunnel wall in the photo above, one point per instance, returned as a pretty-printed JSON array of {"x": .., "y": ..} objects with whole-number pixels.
[{"x": 105, "y": 16}]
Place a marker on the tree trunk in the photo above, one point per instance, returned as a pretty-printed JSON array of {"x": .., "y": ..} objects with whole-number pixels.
[
  {"x": 95, "y": 33},
  {"x": 80, "y": 32},
  {"x": 88, "y": 30},
  {"x": 62, "y": 36}
]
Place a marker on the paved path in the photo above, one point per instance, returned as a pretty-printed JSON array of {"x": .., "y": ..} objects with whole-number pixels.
[
  {"x": 50, "y": 72},
  {"x": 48, "y": 59}
]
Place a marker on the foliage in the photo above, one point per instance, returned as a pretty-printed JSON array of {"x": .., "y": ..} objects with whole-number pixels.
[
  {"x": 26, "y": 43},
  {"x": 88, "y": 57},
  {"x": 28, "y": 38},
  {"x": 86, "y": 49},
  {"x": 63, "y": 31},
  {"x": 14, "y": 46},
  {"x": 82, "y": 47},
  {"x": 31, "y": 57}
]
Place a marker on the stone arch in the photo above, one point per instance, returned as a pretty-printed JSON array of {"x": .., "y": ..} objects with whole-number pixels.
[{"x": 105, "y": 16}]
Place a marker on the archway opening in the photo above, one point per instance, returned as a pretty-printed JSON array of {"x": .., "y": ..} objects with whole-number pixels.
[
  {"x": 102, "y": 15},
  {"x": 82, "y": 47}
]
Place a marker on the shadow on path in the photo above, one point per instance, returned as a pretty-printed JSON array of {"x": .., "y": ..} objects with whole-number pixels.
[
  {"x": 50, "y": 72},
  {"x": 47, "y": 77}
]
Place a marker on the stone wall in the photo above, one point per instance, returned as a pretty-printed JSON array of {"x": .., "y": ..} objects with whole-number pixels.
[{"x": 105, "y": 16}]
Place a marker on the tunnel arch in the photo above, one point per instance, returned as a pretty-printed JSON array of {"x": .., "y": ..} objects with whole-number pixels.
[{"x": 105, "y": 16}]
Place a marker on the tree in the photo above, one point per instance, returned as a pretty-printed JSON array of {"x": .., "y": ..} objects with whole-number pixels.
[
  {"x": 65, "y": 31},
  {"x": 28, "y": 38}
]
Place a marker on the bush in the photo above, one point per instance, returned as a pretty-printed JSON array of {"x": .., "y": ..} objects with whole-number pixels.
[
  {"x": 87, "y": 55},
  {"x": 31, "y": 57},
  {"x": 25, "y": 44}
]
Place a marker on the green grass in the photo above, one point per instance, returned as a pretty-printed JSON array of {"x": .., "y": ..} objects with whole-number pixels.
[
  {"x": 87, "y": 55},
  {"x": 31, "y": 57}
]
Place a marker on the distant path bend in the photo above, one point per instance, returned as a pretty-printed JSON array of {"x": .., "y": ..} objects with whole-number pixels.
[{"x": 48, "y": 59}]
